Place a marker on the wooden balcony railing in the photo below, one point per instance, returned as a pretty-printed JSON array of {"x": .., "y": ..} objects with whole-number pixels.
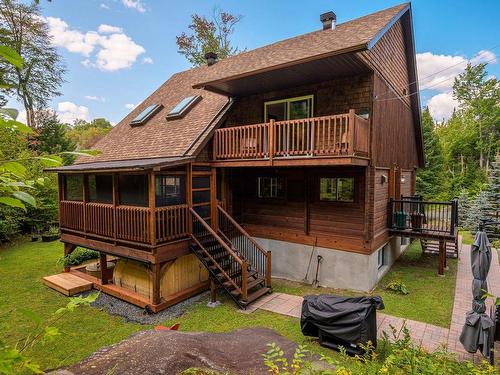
[
  {"x": 336, "y": 135},
  {"x": 420, "y": 218},
  {"x": 127, "y": 223}
]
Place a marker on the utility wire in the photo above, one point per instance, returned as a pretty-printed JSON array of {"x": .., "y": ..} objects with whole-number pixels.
[
  {"x": 426, "y": 88},
  {"x": 440, "y": 71}
]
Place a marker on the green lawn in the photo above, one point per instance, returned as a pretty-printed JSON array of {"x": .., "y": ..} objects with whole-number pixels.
[
  {"x": 467, "y": 237},
  {"x": 430, "y": 299},
  {"x": 87, "y": 329},
  {"x": 82, "y": 332}
]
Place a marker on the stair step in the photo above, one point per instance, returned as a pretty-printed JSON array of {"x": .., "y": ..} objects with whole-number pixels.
[
  {"x": 251, "y": 283},
  {"x": 255, "y": 295}
]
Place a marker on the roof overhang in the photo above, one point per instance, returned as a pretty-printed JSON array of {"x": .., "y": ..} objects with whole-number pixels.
[
  {"x": 312, "y": 70},
  {"x": 133, "y": 165}
]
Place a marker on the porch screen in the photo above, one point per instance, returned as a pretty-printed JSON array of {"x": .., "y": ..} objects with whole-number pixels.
[
  {"x": 170, "y": 190},
  {"x": 336, "y": 189},
  {"x": 73, "y": 188},
  {"x": 133, "y": 190},
  {"x": 270, "y": 187},
  {"x": 101, "y": 188}
]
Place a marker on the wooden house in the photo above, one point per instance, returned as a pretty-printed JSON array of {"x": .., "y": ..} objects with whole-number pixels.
[{"x": 306, "y": 148}]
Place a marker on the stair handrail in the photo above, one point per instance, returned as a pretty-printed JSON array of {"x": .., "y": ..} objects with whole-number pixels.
[
  {"x": 241, "y": 230},
  {"x": 217, "y": 237}
]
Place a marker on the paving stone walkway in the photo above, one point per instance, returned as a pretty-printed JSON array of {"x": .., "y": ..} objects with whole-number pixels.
[{"x": 429, "y": 336}]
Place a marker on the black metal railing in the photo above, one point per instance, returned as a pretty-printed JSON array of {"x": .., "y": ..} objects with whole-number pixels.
[
  {"x": 224, "y": 265},
  {"x": 416, "y": 215},
  {"x": 258, "y": 259}
]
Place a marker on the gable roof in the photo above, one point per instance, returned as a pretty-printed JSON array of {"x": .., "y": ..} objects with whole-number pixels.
[
  {"x": 162, "y": 138},
  {"x": 352, "y": 36}
]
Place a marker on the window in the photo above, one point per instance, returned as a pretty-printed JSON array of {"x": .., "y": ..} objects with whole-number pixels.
[
  {"x": 73, "y": 188},
  {"x": 336, "y": 189},
  {"x": 170, "y": 190},
  {"x": 101, "y": 188},
  {"x": 146, "y": 114},
  {"x": 270, "y": 187},
  {"x": 381, "y": 257},
  {"x": 183, "y": 107},
  {"x": 289, "y": 109},
  {"x": 133, "y": 190}
]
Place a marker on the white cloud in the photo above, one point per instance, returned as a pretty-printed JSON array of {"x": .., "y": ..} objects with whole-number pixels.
[
  {"x": 118, "y": 52},
  {"x": 437, "y": 72},
  {"x": 108, "y": 29},
  {"x": 106, "y": 52},
  {"x": 68, "y": 112},
  {"x": 95, "y": 98},
  {"x": 135, "y": 4},
  {"x": 441, "y": 106},
  {"x": 130, "y": 106},
  {"x": 103, "y": 6},
  {"x": 147, "y": 60}
]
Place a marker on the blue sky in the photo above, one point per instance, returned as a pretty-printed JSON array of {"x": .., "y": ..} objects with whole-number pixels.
[{"x": 115, "y": 66}]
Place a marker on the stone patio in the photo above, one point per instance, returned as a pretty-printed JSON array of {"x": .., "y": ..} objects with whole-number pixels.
[{"x": 429, "y": 336}]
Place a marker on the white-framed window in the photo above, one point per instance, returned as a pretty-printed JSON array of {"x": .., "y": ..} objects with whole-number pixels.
[
  {"x": 381, "y": 257},
  {"x": 270, "y": 187}
]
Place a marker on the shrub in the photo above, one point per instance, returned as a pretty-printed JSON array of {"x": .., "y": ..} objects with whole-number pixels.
[
  {"x": 395, "y": 356},
  {"x": 397, "y": 286},
  {"x": 78, "y": 256}
]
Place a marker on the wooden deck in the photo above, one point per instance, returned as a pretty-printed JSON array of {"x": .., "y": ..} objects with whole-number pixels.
[{"x": 67, "y": 283}]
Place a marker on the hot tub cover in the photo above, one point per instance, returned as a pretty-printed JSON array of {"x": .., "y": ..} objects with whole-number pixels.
[{"x": 350, "y": 319}]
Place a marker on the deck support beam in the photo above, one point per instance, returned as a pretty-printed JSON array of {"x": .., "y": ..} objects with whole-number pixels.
[
  {"x": 103, "y": 263},
  {"x": 156, "y": 278},
  {"x": 213, "y": 292},
  {"x": 442, "y": 257}
]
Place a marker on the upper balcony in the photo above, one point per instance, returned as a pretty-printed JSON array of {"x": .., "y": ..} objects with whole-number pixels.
[{"x": 326, "y": 140}]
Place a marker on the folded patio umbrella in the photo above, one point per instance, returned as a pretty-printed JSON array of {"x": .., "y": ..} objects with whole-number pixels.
[{"x": 477, "y": 331}]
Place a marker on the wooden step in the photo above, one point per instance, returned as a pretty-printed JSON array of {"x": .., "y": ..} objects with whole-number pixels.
[
  {"x": 250, "y": 285},
  {"x": 67, "y": 283},
  {"x": 255, "y": 295}
]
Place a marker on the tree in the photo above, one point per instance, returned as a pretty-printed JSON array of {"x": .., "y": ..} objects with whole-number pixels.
[
  {"x": 51, "y": 135},
  {"x": 208, "y": 35},
  {"x": 478, "y": 97},
  {"x": 39, "y": 79},
  {"x": 86, "y": 134},
  {"x": 430, "y": 179}
]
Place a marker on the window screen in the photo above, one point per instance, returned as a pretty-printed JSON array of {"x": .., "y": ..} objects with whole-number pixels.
[
  {"x": 133, "y": 190},
  {"x": 73, "y": 188},
  {"x": 270, "y": 187},
  {"x": 146, "y": 114},
  {"x": 170, "y": 190},
  {"x": 183, "y": 107},
  {"x": 101, "y": 188},
  {"x": 337, "y": 189}
]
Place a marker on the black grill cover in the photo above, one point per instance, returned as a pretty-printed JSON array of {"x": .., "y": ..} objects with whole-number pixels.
[{"x": 348, "y": 319}]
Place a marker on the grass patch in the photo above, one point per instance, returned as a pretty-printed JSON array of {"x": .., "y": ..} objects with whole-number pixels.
[
  {"x": 430, "y": 299},
  {"x": 467, "y": 237},
  {"x": 87, "y": 329}
]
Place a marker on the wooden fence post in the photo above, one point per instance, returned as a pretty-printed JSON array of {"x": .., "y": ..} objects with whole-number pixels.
[
  {"x": 442, "y": 257},
  {"x": 270, "y": 139}
]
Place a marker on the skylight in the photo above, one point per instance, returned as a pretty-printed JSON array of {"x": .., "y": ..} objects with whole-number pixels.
[
  {"x": 183, "y": 107},
  {"x": 146, "y": 114}
]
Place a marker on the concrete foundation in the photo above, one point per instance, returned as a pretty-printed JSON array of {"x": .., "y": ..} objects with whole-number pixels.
[{"x": 338, "y": 269}]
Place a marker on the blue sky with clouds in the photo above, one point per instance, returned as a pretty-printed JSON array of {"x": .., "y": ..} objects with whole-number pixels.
[{"x": 118, "y": 51}]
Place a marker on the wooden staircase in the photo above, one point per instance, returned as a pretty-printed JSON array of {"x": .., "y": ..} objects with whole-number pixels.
[
  {"x": 430, "y": 246},
  {"x": 236, "y": 263}
]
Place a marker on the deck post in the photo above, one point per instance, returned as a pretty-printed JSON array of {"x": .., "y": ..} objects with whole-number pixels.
[
  {"x": 68, "y": 249},
  {"x": 103, "y": 263},
  {"x": 115, "y": 203},
  {"x": 156, "y": 279},
  {"x": 85, "y": 200},
  {"x": 268, "y": 269},
  {"x": 152, "y": 209},
  {"x": 270, "y": 139},
  {"x": 352, "y": 118},
  {"x": 442, "y": 257},
  {"x": 213, "y": 292}
]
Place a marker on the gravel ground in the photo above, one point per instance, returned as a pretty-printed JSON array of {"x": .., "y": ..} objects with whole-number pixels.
[{"x": 132, "y": 313}]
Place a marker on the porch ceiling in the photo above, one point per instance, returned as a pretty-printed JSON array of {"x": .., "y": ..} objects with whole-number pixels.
[
  {"x": 279, "y": 78},
  {"x": 123, "y": 165}
]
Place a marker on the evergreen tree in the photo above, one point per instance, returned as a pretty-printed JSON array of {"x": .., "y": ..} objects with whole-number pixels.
[
  {"x": 463, "y": 208},
  {"x": 430, "y": 179},
  {"x": 478, "y": 211},
  {"x": 493, "y": 193}
]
